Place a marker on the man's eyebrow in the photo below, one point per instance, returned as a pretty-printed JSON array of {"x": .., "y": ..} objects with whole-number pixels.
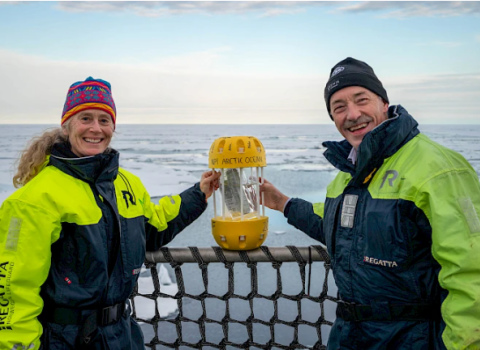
[
  {"x": 360, "y": 93},
  {"x": 354, "y": 96},
  {"x": 337, "y": 101}
]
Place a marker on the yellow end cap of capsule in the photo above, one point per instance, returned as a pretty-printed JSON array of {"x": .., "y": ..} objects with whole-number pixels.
[
  {"x": 240, "y": 235},
  {"x": 237, "y": 152}
]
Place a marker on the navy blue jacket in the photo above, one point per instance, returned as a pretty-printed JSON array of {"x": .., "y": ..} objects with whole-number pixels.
[
  {"x": 85, "y": 225},
  {"x": 387, "y": 240}
]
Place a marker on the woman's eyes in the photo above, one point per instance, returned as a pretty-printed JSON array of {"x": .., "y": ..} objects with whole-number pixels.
[{"x": 104, "y": 121}]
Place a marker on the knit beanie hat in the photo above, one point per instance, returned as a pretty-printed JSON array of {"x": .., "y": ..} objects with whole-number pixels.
[
  {"x": 89, "y": 94},
  {"x": 352, "y": 72}
]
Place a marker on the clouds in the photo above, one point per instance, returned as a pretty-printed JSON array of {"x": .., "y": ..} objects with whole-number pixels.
[
  {"x": 162, "y": 8},
  {"x": 439, "y": 98},
  {"x": 194, "y": 66},
  {"x": 174, "y": 90},
  {"x": 186, "y": 89},
  {"x": 397, "y": 9},
  {"x": 403, "y": 9}
]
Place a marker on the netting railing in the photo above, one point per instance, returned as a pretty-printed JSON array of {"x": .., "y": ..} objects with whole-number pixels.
[{"x": 176, "y": 257}]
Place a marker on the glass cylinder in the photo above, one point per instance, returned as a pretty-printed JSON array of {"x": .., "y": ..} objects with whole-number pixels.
[{"x": 239, "y": 193}]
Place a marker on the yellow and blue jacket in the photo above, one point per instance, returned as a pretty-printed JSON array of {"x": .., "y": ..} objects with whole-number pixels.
[
  {"x": 75, "y": 237},
  {"x": 402, "y": 228}
]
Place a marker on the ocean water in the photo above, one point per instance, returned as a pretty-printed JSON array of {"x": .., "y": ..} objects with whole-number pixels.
[{"x": 171, "y": 158}]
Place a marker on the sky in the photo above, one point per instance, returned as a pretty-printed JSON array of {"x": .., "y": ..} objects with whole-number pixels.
[{"x": 241, "y": 62}]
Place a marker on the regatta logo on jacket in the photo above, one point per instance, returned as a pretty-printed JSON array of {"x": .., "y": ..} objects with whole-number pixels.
[
  {"x": 394, "y": 175},
  {"x": 6, "y": 308},
  {"x": 375, "y": 261},
  {"x": 130, "y": 198}
]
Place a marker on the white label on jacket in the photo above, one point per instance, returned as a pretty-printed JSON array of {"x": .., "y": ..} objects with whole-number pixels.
[
  {"x": 375, "y": 261},
  {"x": 23, "y": 347},
  {"x": 348, "y": 210},
  {"x": 470, "y": 214},
  {"x": 13, "y": 234}
]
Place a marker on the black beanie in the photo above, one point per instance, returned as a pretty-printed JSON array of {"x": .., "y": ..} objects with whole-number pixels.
[{"x": 352, "y": 72}]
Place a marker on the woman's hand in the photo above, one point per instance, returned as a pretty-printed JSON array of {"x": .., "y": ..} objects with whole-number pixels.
[
  {"x": 209, "y": 182},
  {"x": 274, "y": 199}
]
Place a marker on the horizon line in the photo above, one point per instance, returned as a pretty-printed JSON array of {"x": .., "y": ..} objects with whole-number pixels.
[{"x": 269, "y": 124}]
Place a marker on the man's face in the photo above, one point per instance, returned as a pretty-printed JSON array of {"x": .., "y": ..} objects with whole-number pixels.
[{"x": 356, "y": 111}]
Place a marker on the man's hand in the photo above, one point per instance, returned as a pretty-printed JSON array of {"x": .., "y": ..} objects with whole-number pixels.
[
  {"x": 274, "y": 199},
  {"x": 209, "y": 182}
]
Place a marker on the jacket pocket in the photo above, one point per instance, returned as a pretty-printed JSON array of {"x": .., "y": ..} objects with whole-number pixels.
[
  {"x": 330, "y": 223},
  {"x": 59, "y": 337},
  {"x": 79, "y": 257},
  {"x": 133, "y": 245},
  {"x": 382, "y": 242}
]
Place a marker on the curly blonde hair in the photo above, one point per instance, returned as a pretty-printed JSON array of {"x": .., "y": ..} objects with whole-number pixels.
[{"x": 35, "y": 154}]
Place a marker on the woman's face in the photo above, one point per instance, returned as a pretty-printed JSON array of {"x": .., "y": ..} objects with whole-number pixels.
[{"x": 89, "y": 132}]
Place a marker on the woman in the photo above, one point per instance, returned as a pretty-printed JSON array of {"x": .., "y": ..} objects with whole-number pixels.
[{"x": 73, "y": 237}]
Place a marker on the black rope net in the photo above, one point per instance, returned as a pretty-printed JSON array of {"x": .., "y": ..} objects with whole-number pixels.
[{"x": 228, "y": 321}]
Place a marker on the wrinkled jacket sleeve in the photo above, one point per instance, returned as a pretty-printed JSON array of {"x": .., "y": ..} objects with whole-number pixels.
[
  {"x": 171, "y": 215},
  {"x": 26, "y": 234},
  {"x": 306, "y": 217},
  {"x": 451, "y": 201}
]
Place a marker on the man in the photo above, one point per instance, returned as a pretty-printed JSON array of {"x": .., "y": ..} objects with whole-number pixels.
[{"x": 400, "y": 222}]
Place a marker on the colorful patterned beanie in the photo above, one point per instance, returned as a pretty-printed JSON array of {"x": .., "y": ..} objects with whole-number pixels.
[{"x": 89, "y": 94}]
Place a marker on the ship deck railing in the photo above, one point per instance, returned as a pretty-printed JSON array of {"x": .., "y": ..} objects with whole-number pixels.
[{"x": 262, "y": 333}]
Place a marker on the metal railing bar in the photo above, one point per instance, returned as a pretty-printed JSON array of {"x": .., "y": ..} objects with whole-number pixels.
[{"x": 282, "y": 254}]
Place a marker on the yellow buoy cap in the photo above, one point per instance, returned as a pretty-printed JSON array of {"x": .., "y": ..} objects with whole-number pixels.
[{"x": 237, "y": 152}]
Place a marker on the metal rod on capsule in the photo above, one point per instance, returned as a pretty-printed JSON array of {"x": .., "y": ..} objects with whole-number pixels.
[
  {"x": 214, "y": 201},
  {"x": 263, "y": 196},
  {"x": 240, "y": 189},
  {"x": 223, "y": 193},
  {"x": 258, "y": 192}
]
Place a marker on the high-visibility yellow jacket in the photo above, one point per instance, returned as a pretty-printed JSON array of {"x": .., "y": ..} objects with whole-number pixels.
[
  {"x": 402, "y": 228},
  {"x": 57, "y": 237}
]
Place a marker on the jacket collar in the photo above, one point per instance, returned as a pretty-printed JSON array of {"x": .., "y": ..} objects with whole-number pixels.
[
  {"x": 93, "y": 169},
  {"x": 377, "y": 145}
]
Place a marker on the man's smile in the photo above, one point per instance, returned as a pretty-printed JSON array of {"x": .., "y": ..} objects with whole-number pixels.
[{"x": 358, "y": 127}]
